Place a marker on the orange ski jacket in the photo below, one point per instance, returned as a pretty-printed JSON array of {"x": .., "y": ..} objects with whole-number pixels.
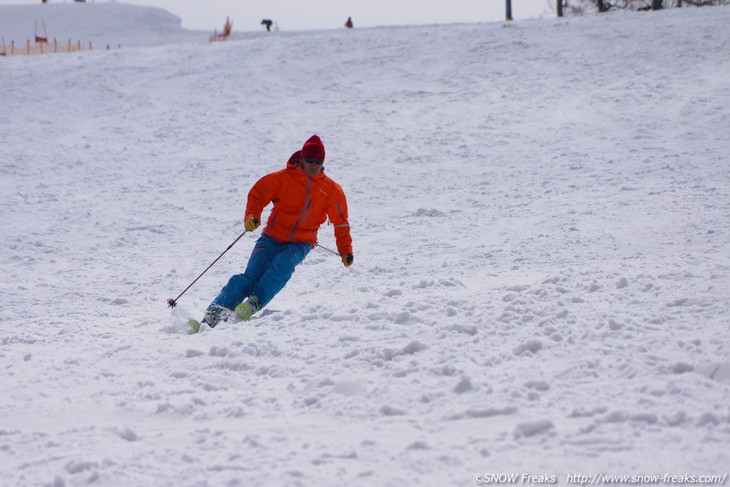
[{"x": 301, "y": 205}]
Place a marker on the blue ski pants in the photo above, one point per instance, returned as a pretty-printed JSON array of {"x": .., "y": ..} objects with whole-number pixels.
[{"x": 269, "y": 268}]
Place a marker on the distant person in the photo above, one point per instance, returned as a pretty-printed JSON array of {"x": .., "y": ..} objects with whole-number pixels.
[
  {"x": 348, "y": 24},
  {"x": 267, "y": 23}
]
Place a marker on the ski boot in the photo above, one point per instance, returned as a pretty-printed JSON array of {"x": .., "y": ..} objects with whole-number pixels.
[
  {"x": 248, "y": 308},
  {"x": 213, "y": 315}
]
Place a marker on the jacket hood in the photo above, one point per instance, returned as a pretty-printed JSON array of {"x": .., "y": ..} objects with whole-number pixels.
[{"x": 293, "y": 161}]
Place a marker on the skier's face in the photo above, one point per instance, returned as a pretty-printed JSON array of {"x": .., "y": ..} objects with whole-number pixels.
[{"x": 311, "y": 169}]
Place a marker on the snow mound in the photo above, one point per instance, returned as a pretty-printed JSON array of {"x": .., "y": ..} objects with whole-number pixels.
[{"x": 102, "y": 24}]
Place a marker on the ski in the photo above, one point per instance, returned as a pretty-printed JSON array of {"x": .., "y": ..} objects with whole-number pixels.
[
  {"x": 194, "y": 327},
  {"x": 243, "y": 312}
]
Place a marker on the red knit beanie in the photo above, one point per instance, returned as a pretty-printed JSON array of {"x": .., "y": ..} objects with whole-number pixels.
[{"x": 313, "y": 148}]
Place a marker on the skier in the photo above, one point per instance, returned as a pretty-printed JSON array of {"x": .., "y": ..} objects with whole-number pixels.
[
  {"x": 303, "y": 197},
  {"x": 348, "y": 24}
]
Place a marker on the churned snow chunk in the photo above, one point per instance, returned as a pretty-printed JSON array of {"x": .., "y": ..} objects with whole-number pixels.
[
  {"x": 431, "y": 212},
  {"x": 411, "y": 348},
  {"x": 614, "y": 325},
  {"x": 76, "y": 467},
  {"x": 533, "y": 428},
  {"x": 681, "y": 368},
  {"x": 402, "y": 317},
  {"x": 484, "y": 413},
  {"x": 616, "y": 417},
  {"x": 349, "y": 387},
  {"x": 647, "y": 418},
  {"x": 128, "y": 434},
  {"x": 715, "y": 371},
  {"x": 708, "y": 419},
  {"x": 531, "y": 346},
  {"x": 218, "y": 352},
  {"x": 466, "y": 329},
  {"x": 463, "y": 386},
  {"x": 676, "y": 419},
  {"x": 723, "y": 372},
  {"x": 391, "y": 411},
  {"x": 538, "y": 385}
]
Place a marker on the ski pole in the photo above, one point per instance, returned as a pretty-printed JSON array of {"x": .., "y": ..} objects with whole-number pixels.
[
  {"x": 328, "y": 250},
  {"x": 173, "y": 302}
]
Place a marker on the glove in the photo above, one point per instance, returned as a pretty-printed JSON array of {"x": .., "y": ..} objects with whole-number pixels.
[
  {"x": 347, "y": 259},
  {"x": 251, "y": 223}
]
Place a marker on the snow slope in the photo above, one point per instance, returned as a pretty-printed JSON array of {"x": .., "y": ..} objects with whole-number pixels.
[{"x": 541, "y": 222}]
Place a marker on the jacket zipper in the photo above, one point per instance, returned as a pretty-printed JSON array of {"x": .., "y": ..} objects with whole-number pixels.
[{"x": 305, "y": 210}]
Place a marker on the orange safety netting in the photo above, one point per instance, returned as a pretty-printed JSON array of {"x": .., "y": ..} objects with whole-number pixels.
[
  {"x": 42, "y": 46},
  {"x": 223, "y": 35}
]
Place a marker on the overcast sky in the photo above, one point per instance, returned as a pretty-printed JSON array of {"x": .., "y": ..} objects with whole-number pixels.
[{"x": 329, "y": 14}]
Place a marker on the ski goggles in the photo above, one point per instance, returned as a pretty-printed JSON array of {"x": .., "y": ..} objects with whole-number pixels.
[{"x": 313, "y": 160}]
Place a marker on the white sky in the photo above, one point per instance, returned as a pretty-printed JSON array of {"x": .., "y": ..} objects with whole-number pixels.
[{"x": 329, "y": 14}]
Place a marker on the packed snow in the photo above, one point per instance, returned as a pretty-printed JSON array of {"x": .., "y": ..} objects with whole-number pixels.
[{"x": 541, "y": 222}]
